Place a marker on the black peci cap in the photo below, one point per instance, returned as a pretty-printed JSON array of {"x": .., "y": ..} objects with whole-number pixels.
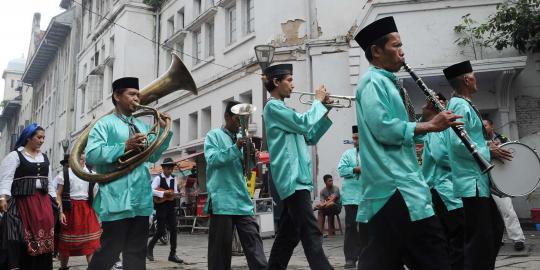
[
  {"x": 374, "y": 31},
  {"x": 231, "y": 104},
  {"x": 126, "y": 82},
  {"x": 278, "y": 70},
  {"x": 354, "y": 129},
  {"x": 457, "y": 69}
]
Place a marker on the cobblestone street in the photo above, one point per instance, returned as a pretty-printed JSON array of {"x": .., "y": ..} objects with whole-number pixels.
[{"x": 192, "y": 248}]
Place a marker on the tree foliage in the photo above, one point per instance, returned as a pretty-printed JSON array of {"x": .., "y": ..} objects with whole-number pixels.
[
  {"x": 154, "y": 3},
  {"x": 515, "y": 24}
]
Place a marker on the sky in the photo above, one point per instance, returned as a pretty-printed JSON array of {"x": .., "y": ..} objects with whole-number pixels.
[{"x": 15, "y": 26}]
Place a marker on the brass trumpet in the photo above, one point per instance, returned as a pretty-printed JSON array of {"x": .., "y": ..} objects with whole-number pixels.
[
  {"x": 176, "y": 78},
  {"x": 337, "y": 100}
]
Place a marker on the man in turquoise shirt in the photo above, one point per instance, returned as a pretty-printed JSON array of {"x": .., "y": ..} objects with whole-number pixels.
[
  {"x": 395, "y": 201},
  {"x": 436, "y": 170},
  {"x": 288, "y": 133},
  {"x": 229, "y": 198},
  {"x": 349, "y": 169},
  {"x": 483, "y": 223},
  {"x": 124, "y": 204}
]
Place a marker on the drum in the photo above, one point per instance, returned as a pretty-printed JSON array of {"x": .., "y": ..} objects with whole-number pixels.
[{"x": 518, "y": 177}]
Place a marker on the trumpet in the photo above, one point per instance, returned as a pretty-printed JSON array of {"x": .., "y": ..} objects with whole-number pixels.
[{"x": 337, "y": 100}]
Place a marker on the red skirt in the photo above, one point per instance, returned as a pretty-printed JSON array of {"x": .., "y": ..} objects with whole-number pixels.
[
  {"x": 38, "y": 222},
  {"x": 81, "y": 234}
]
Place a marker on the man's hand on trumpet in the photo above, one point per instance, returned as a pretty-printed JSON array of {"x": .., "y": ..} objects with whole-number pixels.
[{"x": 323, "y": 96}]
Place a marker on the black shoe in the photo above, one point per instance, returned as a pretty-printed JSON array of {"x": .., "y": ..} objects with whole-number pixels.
[
  {"x": 174, "y": 258},
  {"x": 519, "y": 246},
  {"x": 150, "y": 255},
  {"x": 350, "y": 265}
]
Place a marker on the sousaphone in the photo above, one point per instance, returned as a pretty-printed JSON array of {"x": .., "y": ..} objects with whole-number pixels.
[{"x": 176, "y": 78}]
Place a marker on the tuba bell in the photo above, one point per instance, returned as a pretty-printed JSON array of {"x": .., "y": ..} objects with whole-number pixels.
[{"x": 176, "y": 78}]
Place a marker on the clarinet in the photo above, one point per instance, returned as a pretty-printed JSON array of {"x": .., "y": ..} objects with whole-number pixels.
[{"x": 484, "y": 165}]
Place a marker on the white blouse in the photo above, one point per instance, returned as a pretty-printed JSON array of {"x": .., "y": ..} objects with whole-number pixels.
[
  {"x": 157, "y": 180},
  {"x": 78, "y": 188},
  {"x": 9, "y": 166}
]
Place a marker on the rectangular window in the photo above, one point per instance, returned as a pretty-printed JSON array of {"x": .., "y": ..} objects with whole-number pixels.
[
  {"x": 250, "y": 16},
  {"x": 231, "y": 25},
  {"x": 192, "y": 127},
  {"x": 180, "y": 50},
  {"x": 208, "y": 4},
  {"x": 180, "y": 19},
  {"x": 196, "y": 8},
  {"x": 111, "y": 47},
  {"x": 82, "y": 104},
  {"x": 210, "y": 38},
  {"x": 197, "y": 45},
  {"x": 206, "y": 120},
  {"x": 170, "y": 27},
  {"x": 176, "y": 132}
]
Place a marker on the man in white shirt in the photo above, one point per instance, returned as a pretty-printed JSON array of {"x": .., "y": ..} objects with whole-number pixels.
[{"x": 165, "y": 188}]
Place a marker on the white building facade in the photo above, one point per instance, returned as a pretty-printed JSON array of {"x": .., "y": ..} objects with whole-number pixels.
[{"x": 109, "y": 39}]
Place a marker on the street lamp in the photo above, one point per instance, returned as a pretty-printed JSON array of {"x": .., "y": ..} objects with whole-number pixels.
[
  {"x": 265, "y": 55},
  {"x": 65, "y": 145}
]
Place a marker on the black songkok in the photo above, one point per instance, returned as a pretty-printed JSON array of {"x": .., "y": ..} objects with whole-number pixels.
[
  {"x": 126, "y": 82},
  {"x": 375, "y": 30},
  {"x": 457, "y": 69},
  {"x": 278, "y": 70}
]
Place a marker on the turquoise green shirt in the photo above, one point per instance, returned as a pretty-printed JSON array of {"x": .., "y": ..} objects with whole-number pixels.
[
  {"x": 436, "y": 168},
  {"x": 351, "y": 181},
  {"x": 388, "y": 150},
  {"x": 466, "y": 174},
  {"x": 130, "y": 195},
  {"x": 225, "y": 182},
  {"x": 288, "y": 133}
]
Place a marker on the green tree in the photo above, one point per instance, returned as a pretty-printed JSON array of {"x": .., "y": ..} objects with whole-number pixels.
[
  {"x": 516, "y": 23},
  {"x": 472, "y": 34}
]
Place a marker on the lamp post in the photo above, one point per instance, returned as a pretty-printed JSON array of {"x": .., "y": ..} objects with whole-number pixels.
[
  {"x": 265, "y": 55},
  {"x": 65, "y": 145}
]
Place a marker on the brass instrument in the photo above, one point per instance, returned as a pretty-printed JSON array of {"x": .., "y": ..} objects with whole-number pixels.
[
  {"x": 244, "y": 111},
  {"x": 337, "y": 100},
  {"x": 176, "y": 78}
]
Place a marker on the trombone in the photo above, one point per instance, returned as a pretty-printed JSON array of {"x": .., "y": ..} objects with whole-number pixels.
[{"x": 347, "y": 100}]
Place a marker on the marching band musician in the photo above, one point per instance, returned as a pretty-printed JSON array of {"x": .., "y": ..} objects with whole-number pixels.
[
  {"x": 288, "y": 133},
  {"x": 164, "y": 186},
  {"x": 396, "y": 201},
  {"x": 229, "y": 198},
  {"x": 349, "y": 169},
  {"x": 436, "y": 169},
  {"x": 124, "y": 204},
  {"x": 483, "y": 223},
  {"x": 80, "y": 230},
  {"x": 504, "y": 204}
]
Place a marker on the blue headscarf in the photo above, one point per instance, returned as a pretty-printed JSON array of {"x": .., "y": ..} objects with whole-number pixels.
[{"x": 26, "y": 134}]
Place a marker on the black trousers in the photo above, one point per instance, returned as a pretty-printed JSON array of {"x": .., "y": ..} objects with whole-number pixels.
[
  {"x": 453, "y": 223},
  {"x": 166, "y": 218},
  {"x": 393, "y": 239},
  {"x": 127, "y": 236},
  {"x": 297, "y": 223},
  {"x": 353, "y": 244},
  {"x": 220, "y": 242},
  {"x": 483, "y": 232}
]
